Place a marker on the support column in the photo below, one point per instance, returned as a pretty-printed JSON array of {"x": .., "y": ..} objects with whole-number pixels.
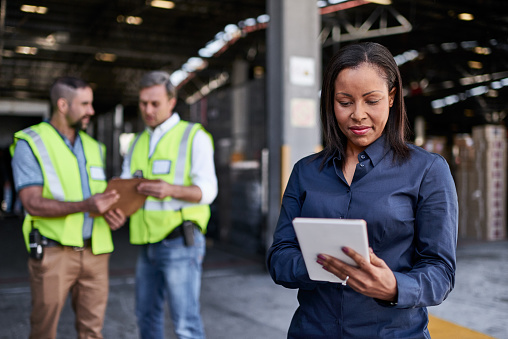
[
  {"x": 239, "y": 111},
  {"x": 293, "y": 82}
]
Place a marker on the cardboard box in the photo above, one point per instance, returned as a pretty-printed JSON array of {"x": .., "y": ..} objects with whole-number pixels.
[
  {"x": 463, "y": 165},
  {"x": 486, "y": 203}
]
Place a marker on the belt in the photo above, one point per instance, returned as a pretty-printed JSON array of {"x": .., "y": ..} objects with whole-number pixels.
[
  {"x": 177, "y": 232},
  {"x": 52, "y": 243}
]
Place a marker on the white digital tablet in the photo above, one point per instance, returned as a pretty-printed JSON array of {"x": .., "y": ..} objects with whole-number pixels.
[{"x": 328, "y": 236}]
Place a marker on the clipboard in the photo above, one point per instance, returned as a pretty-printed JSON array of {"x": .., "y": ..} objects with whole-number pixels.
[
  {"x": 130, "y": 200},
  {"x": 328, "y": 236}
]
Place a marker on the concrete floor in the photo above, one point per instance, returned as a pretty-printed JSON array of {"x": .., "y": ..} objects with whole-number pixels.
[
  {"x": 480, "y": 298},
  {"x": 239, "y": 300}
]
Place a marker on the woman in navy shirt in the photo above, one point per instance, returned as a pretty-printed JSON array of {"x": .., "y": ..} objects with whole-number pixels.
[{"x": 368, "y": 171}]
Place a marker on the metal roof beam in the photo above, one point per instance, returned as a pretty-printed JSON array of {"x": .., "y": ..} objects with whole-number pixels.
[{"x": 366, "y": 30}]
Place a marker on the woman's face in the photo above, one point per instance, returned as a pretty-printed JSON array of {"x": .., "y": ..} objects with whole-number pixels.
[{"x": 362, "y": 105}]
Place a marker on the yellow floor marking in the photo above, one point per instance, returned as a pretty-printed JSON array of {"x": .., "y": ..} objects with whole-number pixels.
[{"x": 442, "y": 329}]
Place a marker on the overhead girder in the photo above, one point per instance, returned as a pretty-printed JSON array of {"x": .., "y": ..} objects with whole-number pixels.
[{"x": 334, "y": 33}]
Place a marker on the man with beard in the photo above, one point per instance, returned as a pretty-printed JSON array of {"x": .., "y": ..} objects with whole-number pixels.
[{"x": 59, "y": 172}]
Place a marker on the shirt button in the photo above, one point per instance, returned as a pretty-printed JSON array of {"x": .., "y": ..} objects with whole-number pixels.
[
  {"x": 362, "y": 156},
  {"x": 362, "y": 165}
]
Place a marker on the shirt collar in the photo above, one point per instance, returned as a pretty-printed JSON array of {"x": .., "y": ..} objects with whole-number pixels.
[
  {"x": 64, "y": 138},
  {"x": 378, "y": 149},
  {"x": 334, "y": 156},
  {"x": 166, "y": 125}
]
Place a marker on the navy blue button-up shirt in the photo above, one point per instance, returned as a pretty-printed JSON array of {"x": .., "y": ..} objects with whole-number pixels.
[{"x": 411, "y": 212}]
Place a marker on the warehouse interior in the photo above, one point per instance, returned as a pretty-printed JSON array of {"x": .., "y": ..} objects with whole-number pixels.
[{"x": 452, "y": 54}]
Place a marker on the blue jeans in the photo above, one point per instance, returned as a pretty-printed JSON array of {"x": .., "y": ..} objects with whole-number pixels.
[{"x": 172, "y": 270}]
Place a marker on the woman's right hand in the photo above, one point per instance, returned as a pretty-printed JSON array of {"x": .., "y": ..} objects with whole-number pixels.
[{"x": 373, "y": 279}]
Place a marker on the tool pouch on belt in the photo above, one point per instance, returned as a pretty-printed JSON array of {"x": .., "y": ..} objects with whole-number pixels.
[
  {"x": 35, "y": 243},
  {"x": 188, "y": 232}
]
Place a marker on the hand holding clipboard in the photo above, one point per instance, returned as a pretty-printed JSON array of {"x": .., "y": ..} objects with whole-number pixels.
[{"x": 130, "y": 200}]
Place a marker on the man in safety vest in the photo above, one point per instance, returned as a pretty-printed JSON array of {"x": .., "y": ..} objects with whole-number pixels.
[
  {"x": 59, "y": 174},
  {"x": 178, "y": 156}
]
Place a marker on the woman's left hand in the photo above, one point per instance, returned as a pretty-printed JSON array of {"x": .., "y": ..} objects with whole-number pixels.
[{"x": 373, "y": 279}]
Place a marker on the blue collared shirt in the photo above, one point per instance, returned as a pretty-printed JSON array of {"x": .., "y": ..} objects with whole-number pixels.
[{"x": 411, "y": 211}]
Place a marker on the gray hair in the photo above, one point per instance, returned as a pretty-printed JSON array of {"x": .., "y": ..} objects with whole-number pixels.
[{"x": 155, "y": 78}]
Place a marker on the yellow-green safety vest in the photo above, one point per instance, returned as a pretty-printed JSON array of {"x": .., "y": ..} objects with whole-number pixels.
[
  {"x": 62, "y": 182},
  {"x": 171, "y": 162}
]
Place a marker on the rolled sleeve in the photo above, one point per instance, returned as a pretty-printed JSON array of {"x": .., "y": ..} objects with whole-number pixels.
[
  {"x": 203, "y": 167},
  {"x": 25, "y": 167}
]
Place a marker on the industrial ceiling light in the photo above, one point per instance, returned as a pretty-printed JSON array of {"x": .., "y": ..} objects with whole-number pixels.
[
  {"x": 220, "y": 43},
  {"x": 26, "y": 50},
  {"x": 194, "y": 64},
  {"x": 106, "y": 57},
  {"x": 162, "y": 4},
  {"x": 466, "y": 16},
  {"x": 381, "y": 2},
  {"x": 259, "y": 72},
  {"x": 250, "y": 22},
  {"x": 178, "y": 77},
  {"x": 482, "y": 50},
  {"x": 133, "y": 20},
  {"x": 475, "y": 64},
  {"x": 34, "y": 9},
  {"x": 263, "y": 18}
]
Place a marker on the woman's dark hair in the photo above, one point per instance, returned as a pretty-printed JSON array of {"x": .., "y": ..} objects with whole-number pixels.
[{"x": 352, "y": 56}]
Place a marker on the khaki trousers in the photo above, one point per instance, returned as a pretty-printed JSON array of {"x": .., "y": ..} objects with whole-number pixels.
[{"x": 63, "y": 270}]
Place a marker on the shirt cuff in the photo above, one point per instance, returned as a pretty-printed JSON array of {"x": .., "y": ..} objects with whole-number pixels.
[
  {"x": 408, "y": 290},
  {"x": 208, "y": 193}
]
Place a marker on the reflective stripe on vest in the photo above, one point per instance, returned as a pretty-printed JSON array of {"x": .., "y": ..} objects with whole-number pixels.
[
  {"x": 54, "y": 184},
  {"x": 158, "y": 217},
  {"x": 62, "y": 182},
  {"x": 173, "y": 204},
  {"x": 131, "y": 150},
  {"x": 182, "y": 156}
]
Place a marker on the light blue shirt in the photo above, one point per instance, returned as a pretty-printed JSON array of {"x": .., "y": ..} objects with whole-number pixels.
[{"x": 27, "y": 172}]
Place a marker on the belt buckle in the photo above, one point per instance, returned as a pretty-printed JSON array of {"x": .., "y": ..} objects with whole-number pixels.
[{"x": 86, "y": 243}]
